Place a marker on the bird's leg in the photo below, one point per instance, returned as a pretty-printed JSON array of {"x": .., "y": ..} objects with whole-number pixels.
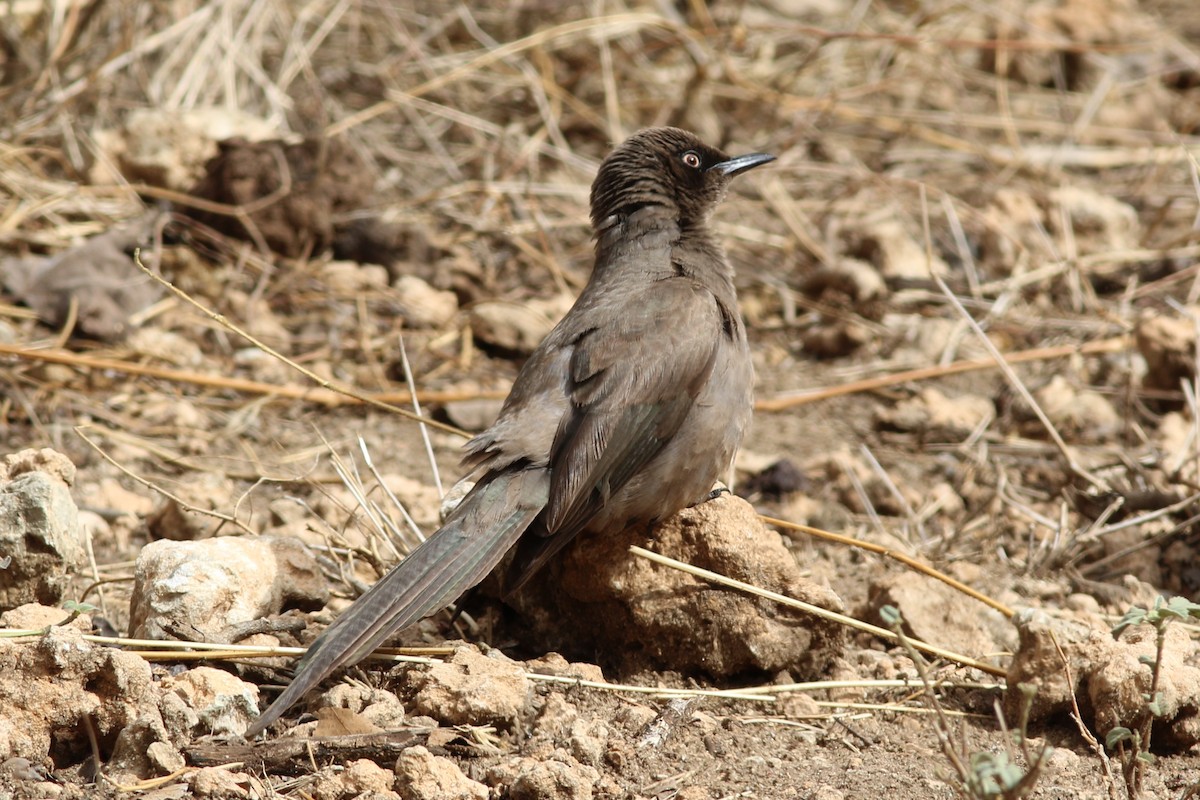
[
  {"x": 462, "y": 603},
  {"x": 712, "y": 495}
]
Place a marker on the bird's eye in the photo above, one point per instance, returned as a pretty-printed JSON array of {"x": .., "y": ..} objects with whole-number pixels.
[{"x": 692, "y": 159}]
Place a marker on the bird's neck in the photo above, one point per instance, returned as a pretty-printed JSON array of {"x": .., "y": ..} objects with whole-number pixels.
[
  {"x": 655, "y": 227},
  {"x": 684, "y": 248}
]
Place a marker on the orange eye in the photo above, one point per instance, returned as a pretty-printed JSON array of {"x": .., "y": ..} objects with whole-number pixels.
[{"x": 692, "y": 159}]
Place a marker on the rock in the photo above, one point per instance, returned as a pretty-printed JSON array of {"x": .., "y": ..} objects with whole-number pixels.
[
  {"x": 1168, "y": 344},
  {"x": 202, "y": 588},
  {"x": 47, "y": 461},
  {"x": 22, "y": 769},
  {"x": 553, "y": 780},
  {"x": 209, "y": 492},
  {"x": 934, "y": 415},
  {"x": 1014, "y": 225},
  {"x": 1117, "y": 687},
  {"x": 168, "y": 148},
  {"x": 223, "y": 703},
  {"x": 1038, "y": 664},
  {"x": 775, "y": 481},
  {"x": 32, "y": 616},
  {"x": 361, "y": 777},
  {"x": 348, "y": 277},
  {"x": 40, "y": 533},
  {"x": 471, "y": 689},
  {"x": 422, "y": 305},
  {"x": 835, "y": 338},
  {"x": 556, "y": 717},
  {"x": 98, "y": 279},
  {"x": 885, "y": 242},
  {"x": 588, "y": 740},
  {"x": 380, "y": 708},
  {"x": 941, "y": 615},
  {"x": 420, "y": 775},
  {"x": 1100, "y": 223},
  {"x": 849, "y": 292},
  {"x": 164, "y": 759},
  {"x": 310, "y": 184},
  {"x": 510, "y": 327},
  {"x": 474, "y": 414},
  {"x": 109, "y": 494},
  {"x": 218, "y": 783},
  {"x": 1077, "y": 414},
  {"x": 56, "y": 686},
  {"x": 173, "y": 348},
  {"x": 555, "y": 664},
  {"x": 598, "y": 598},
  {"x": 255, "y": 314},
  {"x": 856, "y": 279},
  {"x": 1173, "y": 438}
]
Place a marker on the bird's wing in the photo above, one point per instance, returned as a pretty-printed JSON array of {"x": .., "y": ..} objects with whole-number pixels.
[{"x": 632, "y": 383}]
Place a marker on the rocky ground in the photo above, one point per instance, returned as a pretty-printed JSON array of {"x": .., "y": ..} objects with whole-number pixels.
[{"x": 401, "y": 193}]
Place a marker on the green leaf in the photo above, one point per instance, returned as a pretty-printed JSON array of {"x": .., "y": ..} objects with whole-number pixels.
[
  {"x": 1134, "y": 616},
  {"x": 82, "y": 608},
  {"x": 1117, "y": 735}
]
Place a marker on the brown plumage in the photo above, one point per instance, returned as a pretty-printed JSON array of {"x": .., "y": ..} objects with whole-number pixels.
[{"x": 628, "y": 411}]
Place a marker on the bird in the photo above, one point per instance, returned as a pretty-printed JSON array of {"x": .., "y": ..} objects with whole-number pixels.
[{"x": 628, "y": 411}]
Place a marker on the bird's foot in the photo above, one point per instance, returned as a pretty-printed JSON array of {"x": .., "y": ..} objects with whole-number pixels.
[{"x": 713, "y": 495}]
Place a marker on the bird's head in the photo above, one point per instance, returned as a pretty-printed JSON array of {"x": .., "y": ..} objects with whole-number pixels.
[{"x": 669, "y": 168}]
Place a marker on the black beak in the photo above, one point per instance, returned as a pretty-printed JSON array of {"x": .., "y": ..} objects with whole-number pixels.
[{"x": 739, "y": 164}]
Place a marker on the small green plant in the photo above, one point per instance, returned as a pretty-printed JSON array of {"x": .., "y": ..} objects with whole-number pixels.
[
  {"x": 1133, "y": 746},
  {"x": 980, "y": 776}
]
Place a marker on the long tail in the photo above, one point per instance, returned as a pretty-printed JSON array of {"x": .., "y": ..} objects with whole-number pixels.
[{"x": 474, "y": 539}]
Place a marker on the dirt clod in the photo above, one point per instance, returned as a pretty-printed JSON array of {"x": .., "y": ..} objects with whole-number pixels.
[
  {"x": 471, "y": 688},
  {"x": 40, "y": 537},
  {"x": 292, "y": 192},
  {"x": 420, "y": 775},
  {"x": 599, "y": 598}
]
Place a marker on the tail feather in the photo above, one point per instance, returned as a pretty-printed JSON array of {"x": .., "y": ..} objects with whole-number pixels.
[{"x": 458, "y": 556}]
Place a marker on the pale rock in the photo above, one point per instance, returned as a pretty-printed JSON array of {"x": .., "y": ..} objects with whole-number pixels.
[
  {"x": 39, "y": 528},
  {"x": 553, "y": 780},
  {"x": 424, "y": 306},
  {"x": 934, "y": 414},
  {"x": 1100, "y": 223},
  {"x": 169, "y": 148},
  {"x": 361, "y": 777},
  {"x": 1168, "y": 345},
  {"x": 514, "y": 327},
  {"x": 224, "y": 704},
  {"x": 471, "y": 689},
  {"x": 348, "y": 277},
  {"x": 204, "y": 587},
  {"x": 56, "y": 686},
  {"x": 420, "y": 775},
  {"x": 1077, "y": 413},
  {"x": 888, "y": 245},
  {"x": 164, "y": 345},
  {"x": 939, "y": 614},
  {"x": 32, "y": 616},
  {"x": 217, "y": 783}
]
